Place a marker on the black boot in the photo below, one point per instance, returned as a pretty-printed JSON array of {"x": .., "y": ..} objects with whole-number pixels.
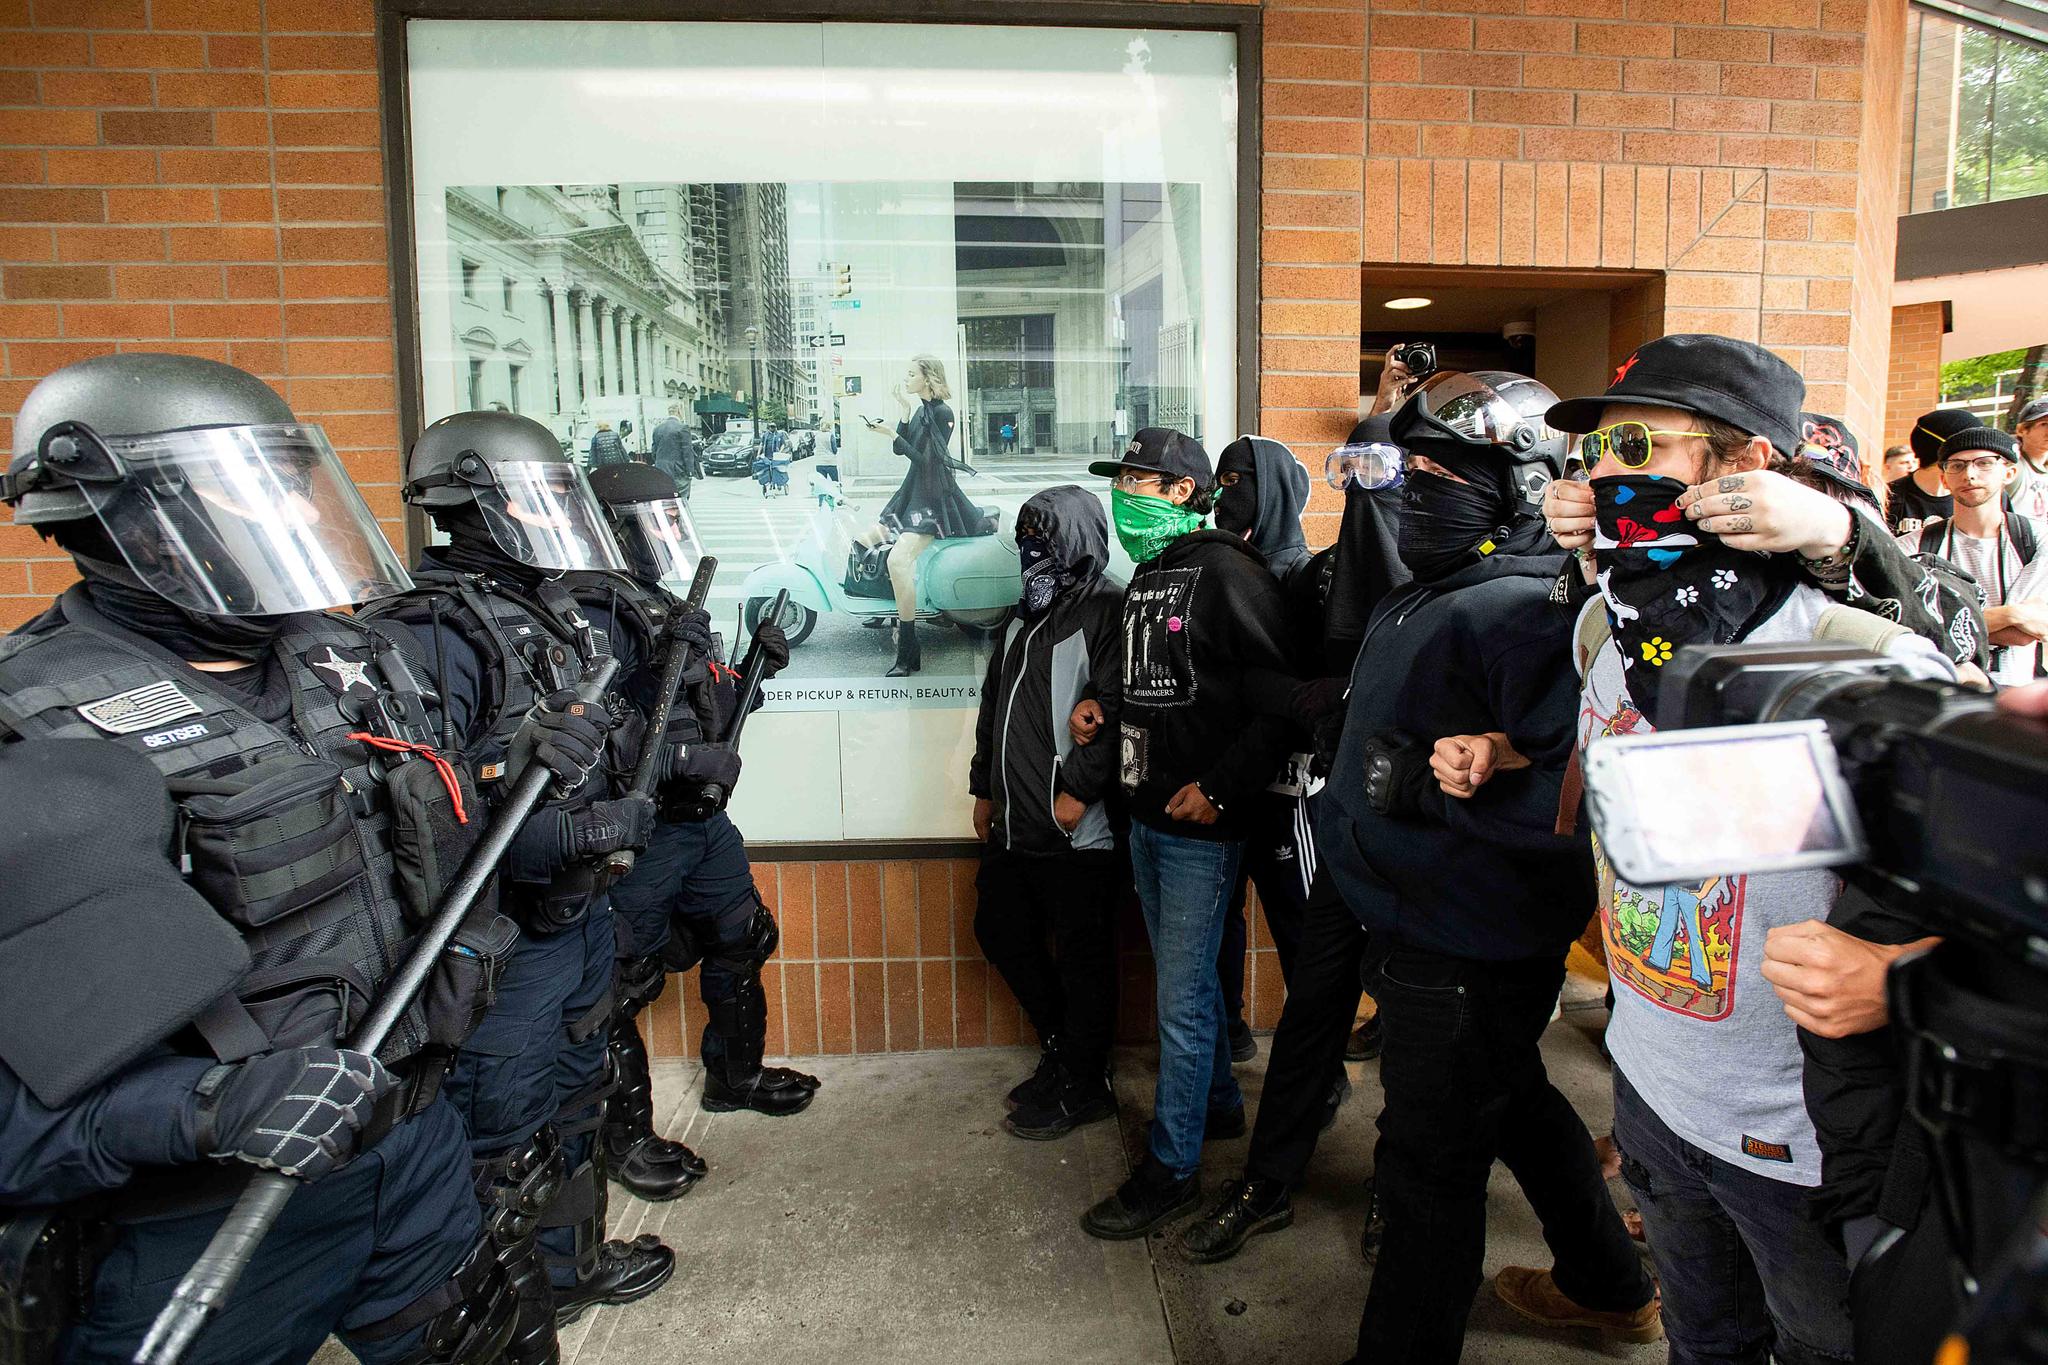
[
  {"x": 1243, "y": 1047},
  {"x": 908, "y": 661},
  {"x": 1042, "y": 1082},
  {"x": 623, "y": 1272},
  {"x": 533, "y": 1328},
  {"x": 1150, "y": 1198},
  {"x": 1077, "y": 1097},
  {"x": 1247, "y": 1207},
  {"x": 773, "y": 1090},
  {"x": 652, "y": 1167},
  {"x": 734, "y": 1078}
]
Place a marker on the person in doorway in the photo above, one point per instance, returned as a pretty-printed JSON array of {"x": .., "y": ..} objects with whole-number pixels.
[
  {"x": 1048, "y": 852},
  {"x": 1921, "y": 497},
  {"x": 674, "y": 450},
  {"x": 1009, "y": 435},
  {"x": 605, "y": 446},
  {"x": 1200, "y": 615},
  {"x": 2029, "y": 493},
  {"x": 1898, "y": 462},
  {"x": 928, "y": 505},
  {"x": 1998, "y": 547}
]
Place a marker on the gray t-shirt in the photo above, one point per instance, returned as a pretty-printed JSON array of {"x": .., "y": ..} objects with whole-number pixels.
[
  {"x": 1696, "y": 1029},
  {"x": 1994, "y": 561}
]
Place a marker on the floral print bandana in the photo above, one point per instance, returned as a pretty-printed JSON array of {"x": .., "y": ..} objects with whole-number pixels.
[{"x": 1668, "y": 584}]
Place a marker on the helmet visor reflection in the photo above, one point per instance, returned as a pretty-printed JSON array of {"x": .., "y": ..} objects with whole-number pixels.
[
  {"x": 659, "y": 543},
  {"x": 543, "y": 514}
]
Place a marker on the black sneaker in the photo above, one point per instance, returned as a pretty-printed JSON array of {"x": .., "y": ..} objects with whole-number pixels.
[
  {"x": 1243, "y": 1047},
  {"x": 1248, "y": 1207},
  {"x": 1365, "y": 1042},
  {"x": 625, "y": 1271},
  {"x": 1071, "y": 1105},
  {"x": 1225, "y": 1123},
  {"x": 1340, "y": 1091},
  {"x": 1041, "y": 1083},
  {"x": 1375, "y": 1226},
  {"x": 1151, "y": 1198}
]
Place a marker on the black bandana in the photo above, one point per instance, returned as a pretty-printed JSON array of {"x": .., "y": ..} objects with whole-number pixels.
[
  {"x": 1447, "y": 526},
  {"x": 1045, "y": 578},
  {"x": 1669, "y": 584}
]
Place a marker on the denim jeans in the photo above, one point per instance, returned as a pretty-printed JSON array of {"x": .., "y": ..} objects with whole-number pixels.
[
  {"x": 1465, "y": 1087},
  {"x": 1748, "y": 1276},
  {"x": 1184, "y": 888}
]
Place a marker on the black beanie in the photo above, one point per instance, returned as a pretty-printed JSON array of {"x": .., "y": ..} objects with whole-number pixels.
[{"x": 1981, "y": 438}]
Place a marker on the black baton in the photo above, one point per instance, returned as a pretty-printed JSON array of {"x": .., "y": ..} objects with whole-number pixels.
[{"x": 675, "y": 662}]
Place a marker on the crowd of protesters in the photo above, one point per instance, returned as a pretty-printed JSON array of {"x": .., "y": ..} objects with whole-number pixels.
[{"x": 1384, "y": 738}]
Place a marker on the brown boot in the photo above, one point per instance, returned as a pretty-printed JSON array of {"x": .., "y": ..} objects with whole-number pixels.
[{"x": 1535, "y": 1295}]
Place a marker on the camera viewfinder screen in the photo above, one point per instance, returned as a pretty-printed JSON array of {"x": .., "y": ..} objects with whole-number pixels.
[{"x": 1746, "y": 801}]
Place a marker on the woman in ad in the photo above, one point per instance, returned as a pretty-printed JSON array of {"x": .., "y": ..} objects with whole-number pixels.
[{"x": 929, "y": 505}]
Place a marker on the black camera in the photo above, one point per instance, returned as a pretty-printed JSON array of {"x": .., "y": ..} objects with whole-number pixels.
[{"x": 1418, "y": 356}]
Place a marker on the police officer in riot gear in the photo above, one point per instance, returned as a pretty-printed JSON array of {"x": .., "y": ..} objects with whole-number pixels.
[
  {"x": 211, "y": 530},
  {"x": 506, "y": 637},
  {"x": 691, "y": 897}
]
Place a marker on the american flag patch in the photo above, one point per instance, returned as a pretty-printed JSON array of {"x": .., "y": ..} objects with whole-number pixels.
[{"x": 144, "y": 708}]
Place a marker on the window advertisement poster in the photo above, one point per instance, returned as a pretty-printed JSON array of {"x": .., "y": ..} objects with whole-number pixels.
[{"x": 889, "y": 293}]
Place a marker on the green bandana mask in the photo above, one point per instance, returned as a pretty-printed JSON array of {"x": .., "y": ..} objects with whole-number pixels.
[{"x": 1146, "y": 525}]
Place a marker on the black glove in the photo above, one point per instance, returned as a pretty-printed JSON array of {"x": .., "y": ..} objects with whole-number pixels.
[
  {"x": 608, "y": 826},
  {"x": 774, "y": 647},
  {"x": 1315, "y": 698},
  {"x": 564, "y": 735},
  {"x": 300, "y": 1112},
  {"x": 704, "y": 764},
  {"x": 1397, "y": 774},
  {"x": 692, "y": 626}
]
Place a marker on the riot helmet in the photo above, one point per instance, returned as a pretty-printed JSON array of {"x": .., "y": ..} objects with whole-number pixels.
[
  {"x": 525, "y": 490},
  {"x": 1487, "y": 427},
  {"x": 216, "y": 498},
  {"x": 651, "y": 523}
]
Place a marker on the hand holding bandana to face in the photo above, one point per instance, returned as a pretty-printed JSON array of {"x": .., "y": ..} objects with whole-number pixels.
[{"x": 1669, "y": 584}]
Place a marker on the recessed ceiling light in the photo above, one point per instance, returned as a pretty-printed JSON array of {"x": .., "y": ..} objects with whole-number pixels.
[{"x": 1404, "y": 304}]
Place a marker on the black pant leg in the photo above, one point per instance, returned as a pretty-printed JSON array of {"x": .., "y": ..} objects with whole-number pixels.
[
  {"x": 1230, "y": 953},
  {"x": 1272, "y": 856},
  {"x": 1009, "y": 923},
  {"x": 1083, "y": 890},
  {"x": 1308, "y": 1047}
]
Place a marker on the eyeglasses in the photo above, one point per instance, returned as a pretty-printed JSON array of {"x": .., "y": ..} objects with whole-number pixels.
[
  {"x": 1627, "y": 442},
  {"x": 1983, "y": 467},
  {"x": 1131, "y": 483}
]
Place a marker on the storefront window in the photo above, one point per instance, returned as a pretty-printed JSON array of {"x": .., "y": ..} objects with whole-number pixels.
[{"x": 839, "y": 253}]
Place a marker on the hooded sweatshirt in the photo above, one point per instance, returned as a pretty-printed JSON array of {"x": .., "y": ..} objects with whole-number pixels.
[
  {"x": 1199, "y": 622},
  {"x": 1281, "y": 485},
  {"x": 1486, "y": 877},
  {"x": 1040, "y": 668}
]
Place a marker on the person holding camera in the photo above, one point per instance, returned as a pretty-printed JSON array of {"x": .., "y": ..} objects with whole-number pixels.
[
  {"x": 1470, "y": 899},
  {"x": 1692, "y": 538}
]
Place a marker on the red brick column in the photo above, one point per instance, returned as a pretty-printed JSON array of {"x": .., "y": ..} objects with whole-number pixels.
[{"x": 1914, "y": 382}]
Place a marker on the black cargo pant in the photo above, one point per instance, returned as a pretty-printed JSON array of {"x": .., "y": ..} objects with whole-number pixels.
[{"x": 1068, "y": 990}]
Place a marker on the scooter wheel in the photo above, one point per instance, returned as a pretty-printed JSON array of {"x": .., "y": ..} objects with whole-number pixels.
[{"x": 798, "y": 620}]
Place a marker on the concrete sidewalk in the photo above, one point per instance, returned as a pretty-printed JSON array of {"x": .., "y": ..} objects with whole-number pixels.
[{"x": 896, "y": 1222}]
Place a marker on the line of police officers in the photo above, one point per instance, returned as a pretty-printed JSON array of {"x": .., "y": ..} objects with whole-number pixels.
[{"x": 226, "y": 810}]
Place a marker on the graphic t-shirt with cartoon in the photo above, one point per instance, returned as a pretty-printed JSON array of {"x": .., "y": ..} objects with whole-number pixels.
[{"x": 1696, "y": 1029}]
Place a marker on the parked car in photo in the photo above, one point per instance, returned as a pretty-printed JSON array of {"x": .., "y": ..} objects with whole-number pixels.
[{"x": 729, "y": 453}]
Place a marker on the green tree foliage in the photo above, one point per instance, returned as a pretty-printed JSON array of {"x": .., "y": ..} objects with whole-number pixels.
[
  {"x": 2002, "y": 120},
  {"x": 1967, "y": 378}
]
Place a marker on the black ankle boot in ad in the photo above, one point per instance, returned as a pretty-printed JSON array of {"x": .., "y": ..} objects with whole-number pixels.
[{"x": 908, "y": 661}]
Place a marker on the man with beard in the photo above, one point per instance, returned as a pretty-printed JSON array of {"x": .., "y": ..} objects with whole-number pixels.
[{"x": 1471, "y": 904}]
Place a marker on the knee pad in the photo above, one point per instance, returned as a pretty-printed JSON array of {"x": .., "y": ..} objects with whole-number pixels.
[
  {"x": 516, "y": 1187},
  {"x": 468, "y": 1316},
  {"x": 744, "y": 952},
  {"x": 639, "y": 984},
  {"x": 682, "y": 951}
]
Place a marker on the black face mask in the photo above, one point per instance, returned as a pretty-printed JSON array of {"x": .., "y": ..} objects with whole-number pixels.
[
  {"x": 1445, "y": 524},
  {"x": 1368, "y": 565},
  {"x": 1669, "y": 584},
  {"x": 1237, "y": 506},
  {"x": 120, "y": 596},
  {"x": 473, "y": 549}
]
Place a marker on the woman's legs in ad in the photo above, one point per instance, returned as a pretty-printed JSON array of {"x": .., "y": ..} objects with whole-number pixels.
[{"x": 903, "y": 578}]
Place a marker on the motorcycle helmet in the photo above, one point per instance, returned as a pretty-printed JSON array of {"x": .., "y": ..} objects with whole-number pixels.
[{"x": 1487, "y": 427}]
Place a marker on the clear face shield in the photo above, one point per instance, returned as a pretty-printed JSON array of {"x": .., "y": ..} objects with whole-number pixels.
[
  {"x": 544, "y": 515},
  {"x": 658, "y": 542},
  {"x": 236, "y": 521},
  {"x": 1488, "y": 406},
  {"x": 1367, "y": 465}
]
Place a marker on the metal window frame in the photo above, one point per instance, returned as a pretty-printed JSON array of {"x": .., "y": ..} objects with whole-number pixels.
[{"x": 1244, "y": 22}]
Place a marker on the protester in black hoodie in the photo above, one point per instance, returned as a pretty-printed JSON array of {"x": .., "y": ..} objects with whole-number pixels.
[
  {"x": 1200, "y": 613},
  {"x": 1260, "y": 492},
  {"x": 1049, "y": 855},
  {"x": 1471, "y": 904}
]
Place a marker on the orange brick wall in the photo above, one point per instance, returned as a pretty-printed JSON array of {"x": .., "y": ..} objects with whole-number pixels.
[{"x": 1914, "y": 385}]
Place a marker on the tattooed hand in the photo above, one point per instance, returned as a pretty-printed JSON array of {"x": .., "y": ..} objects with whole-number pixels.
[{"x": 1768, "y": 512}]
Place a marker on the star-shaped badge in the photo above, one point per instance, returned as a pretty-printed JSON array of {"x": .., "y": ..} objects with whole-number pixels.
[{"x": 349, "y": 674}]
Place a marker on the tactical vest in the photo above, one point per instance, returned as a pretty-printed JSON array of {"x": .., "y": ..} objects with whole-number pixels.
[
  {"x": 530, "y": 645},
  {"x": 284, "y": 827},
  {"x": 644, "y": 612}
]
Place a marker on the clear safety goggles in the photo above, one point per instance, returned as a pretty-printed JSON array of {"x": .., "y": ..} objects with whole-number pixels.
[
  {"x": 543, "y": 514},
  {"x": 659, "y": 542},
  {"x": 1368, "y": 465},
  {"x": 234, "y": 521}
]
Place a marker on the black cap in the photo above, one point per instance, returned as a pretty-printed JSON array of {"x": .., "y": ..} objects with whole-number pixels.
[
  {"x": 101, "y": 957},
  {"x": 625, "y": 482},
  {"x": 1981, "y": 438},
  {"x": 1930, "y": 429},
  {"x": 1830, "y": 447},
  {"x": 2032, "y": 412},
  {"x": 1163, "y": 451},
  {"x": 1737, "y": 382}
]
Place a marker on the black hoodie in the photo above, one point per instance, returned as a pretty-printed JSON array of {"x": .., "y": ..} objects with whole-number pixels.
[
  {"x": 1482, "y": 650},
  {"x": 1198, "y": 622},
  {"x": 1281, "y": 485},
  {"x": 1023, "y": 755}
]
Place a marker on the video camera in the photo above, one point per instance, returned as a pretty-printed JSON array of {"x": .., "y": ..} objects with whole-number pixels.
[{"x": 1931, "y": 799}]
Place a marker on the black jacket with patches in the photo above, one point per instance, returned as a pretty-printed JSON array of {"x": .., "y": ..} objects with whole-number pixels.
[
  {"x": 1023, "y": 755},
  {"x": 1200, "y": 622},
  {"x": 1486, "y": 878}
]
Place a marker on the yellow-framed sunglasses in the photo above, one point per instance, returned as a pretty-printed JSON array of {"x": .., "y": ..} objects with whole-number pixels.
[{"x": 1627, "y": 442}]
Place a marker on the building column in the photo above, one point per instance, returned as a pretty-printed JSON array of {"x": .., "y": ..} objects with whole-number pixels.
[
  {"x": 565, "y": 349},
  {"x": 655, "y": 386},
  {"x": 592, "y": 381},
  {"x": 643, "y": 335},
  {"x": 608, "y": 346},
  {"x": 636, "y": 326}
]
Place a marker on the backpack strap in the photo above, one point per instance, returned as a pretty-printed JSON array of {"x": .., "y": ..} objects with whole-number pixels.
[
  {"x": 2021, "y": 529},
  {"x": 1844, "y": 625}
]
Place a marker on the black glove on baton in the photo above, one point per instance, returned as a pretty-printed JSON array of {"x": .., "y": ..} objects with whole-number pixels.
[
  {"x": 608, "y": 826},
  {"x": 692, "y": 626},
  {"x": 564, "y": 735},
  {"x": 774, "y": 647},
  {"x": 704, "y": 764},
  {"x": 300, "y": 1112}
]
